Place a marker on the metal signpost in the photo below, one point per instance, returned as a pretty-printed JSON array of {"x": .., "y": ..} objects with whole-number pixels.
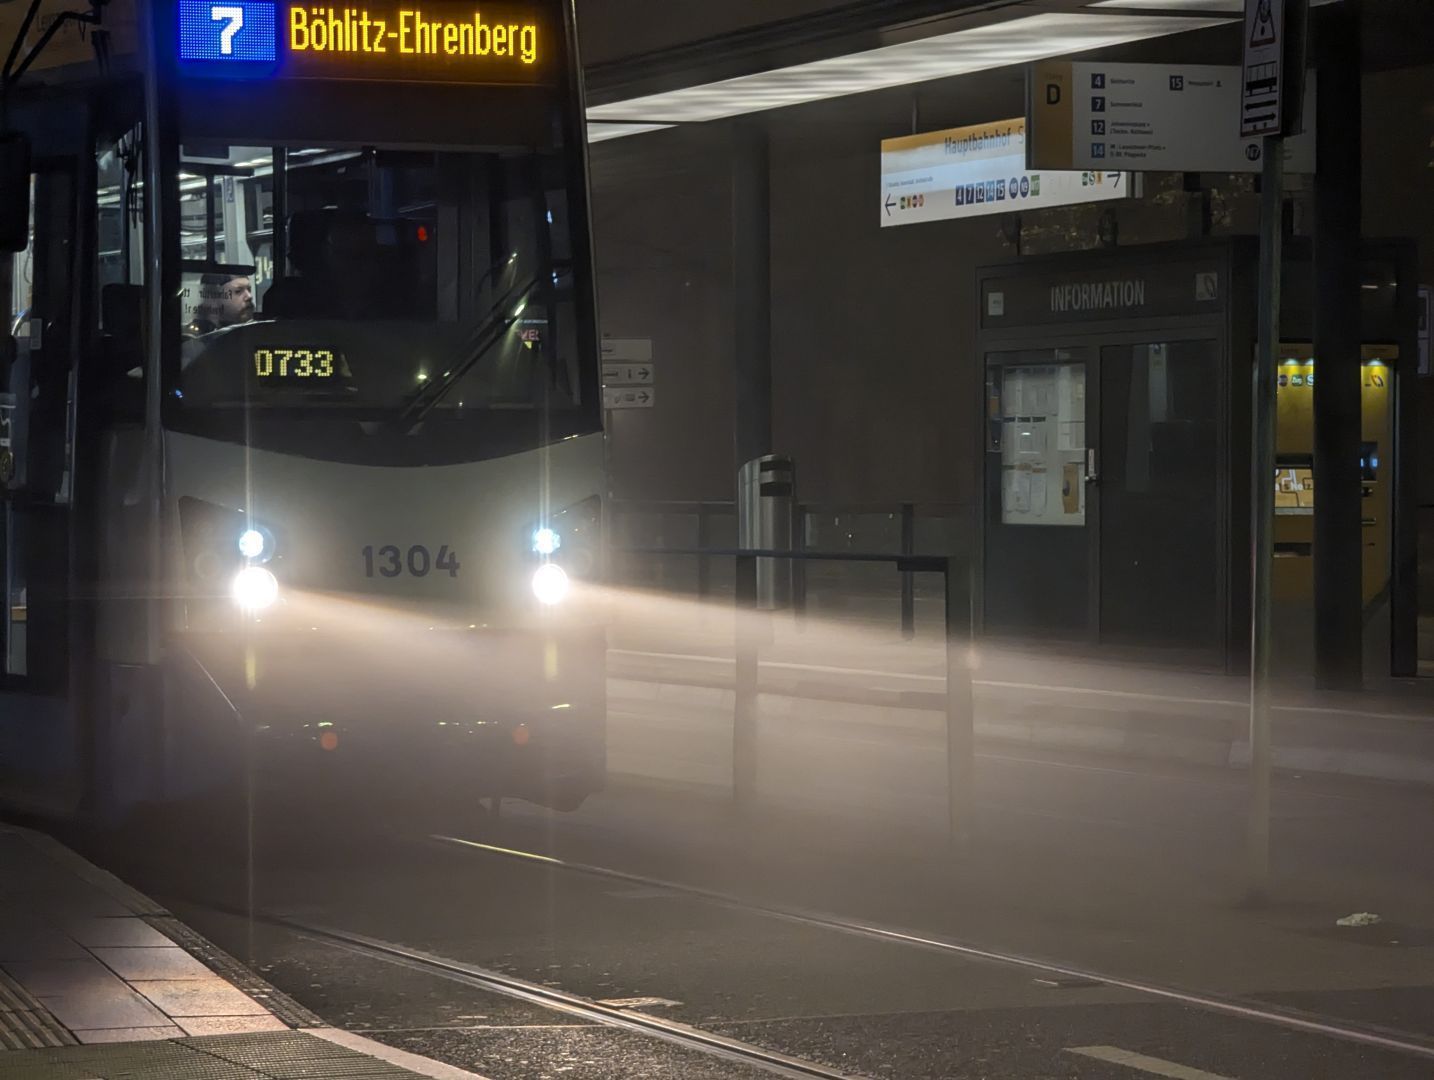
[{"x": 1271, "y": 107}]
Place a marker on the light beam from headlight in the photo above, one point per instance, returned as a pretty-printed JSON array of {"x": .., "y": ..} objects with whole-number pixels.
[
  {"x": 254, "y": 588},
  {"x": 550, "y": 584}
]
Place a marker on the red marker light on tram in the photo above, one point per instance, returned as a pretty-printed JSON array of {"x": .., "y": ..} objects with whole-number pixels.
[{"x": 329, "y": 740}]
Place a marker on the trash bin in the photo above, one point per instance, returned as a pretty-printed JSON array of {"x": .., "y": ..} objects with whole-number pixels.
[{"x": 766, "y": 516}]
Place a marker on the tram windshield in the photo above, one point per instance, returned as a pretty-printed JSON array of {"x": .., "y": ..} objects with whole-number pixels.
[{"x": 401, "y": 283}]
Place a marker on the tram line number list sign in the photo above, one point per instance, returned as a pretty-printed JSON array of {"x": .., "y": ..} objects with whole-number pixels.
[{"x": 1147, "y": 118}]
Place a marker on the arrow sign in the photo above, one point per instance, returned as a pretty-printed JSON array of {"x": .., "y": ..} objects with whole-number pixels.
[
  {"x": 627, "y": 398},
  {"x": 628, "y": 374},
  {"x": 889, "y": 205}
]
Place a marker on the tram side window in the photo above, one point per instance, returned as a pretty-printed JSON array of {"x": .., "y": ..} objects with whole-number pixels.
[{"x": 119, "y": 270}]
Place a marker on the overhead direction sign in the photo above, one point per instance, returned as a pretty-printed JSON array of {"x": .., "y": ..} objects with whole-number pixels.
[
  {"x": 1147, "y": 118},
  {"x": 978, "y": 170}
]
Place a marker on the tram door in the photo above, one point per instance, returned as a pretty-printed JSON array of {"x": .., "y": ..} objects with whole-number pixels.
[
  {"x": 1102, "y": 493},
  {"x": 38, "y": 428},
  {"x": 40, "y": 755}
]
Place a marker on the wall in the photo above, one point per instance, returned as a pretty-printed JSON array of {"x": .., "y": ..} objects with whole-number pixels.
[
  {"x": 662, "y": 223},
  {"x": 875, "y": 381}
]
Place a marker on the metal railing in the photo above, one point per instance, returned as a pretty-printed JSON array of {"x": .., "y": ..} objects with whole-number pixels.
[
  {"x": 888, "y": 529},
  {"x": 958, "y": 619}
]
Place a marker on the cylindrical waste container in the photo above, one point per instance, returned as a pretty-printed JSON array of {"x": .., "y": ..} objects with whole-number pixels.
[{"x": 766, "y": 516}]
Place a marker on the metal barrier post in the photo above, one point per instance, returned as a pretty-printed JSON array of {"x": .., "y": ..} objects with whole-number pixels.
[
  {"x": 744, "y": 715},
  {"x": 908, "y": 583},
  {"x": 960, "y": 708},
  {"x": 799, "y": 567},
  {"x": 704, "y": 562}
]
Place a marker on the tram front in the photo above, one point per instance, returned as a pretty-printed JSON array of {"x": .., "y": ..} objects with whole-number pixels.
[{"x": 382, "y": 455}]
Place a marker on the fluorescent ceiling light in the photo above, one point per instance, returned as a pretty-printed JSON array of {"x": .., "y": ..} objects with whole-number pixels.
[
  {"x": 600, "y": 132},
  {"x": 981, "y": 48}
]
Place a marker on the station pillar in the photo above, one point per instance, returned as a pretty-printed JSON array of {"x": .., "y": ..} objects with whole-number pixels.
[
  {"x": 1338, "y": 536},
  {"x": 751, "y": 291}
]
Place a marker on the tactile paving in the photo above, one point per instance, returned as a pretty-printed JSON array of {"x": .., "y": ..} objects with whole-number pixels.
[
  {"x": 24, "y": 1022},
  {"x": 280, "y": 1055}
]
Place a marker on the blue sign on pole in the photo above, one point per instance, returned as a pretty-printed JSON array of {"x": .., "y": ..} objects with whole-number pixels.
[{"x": 228, "y": 31}]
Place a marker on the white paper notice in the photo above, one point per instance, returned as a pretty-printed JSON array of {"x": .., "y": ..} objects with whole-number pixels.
[
  {"x": 1031, "y": 437},
  {"x": 1070, "y": 435},
  {"x": 1038, "y": 492}
]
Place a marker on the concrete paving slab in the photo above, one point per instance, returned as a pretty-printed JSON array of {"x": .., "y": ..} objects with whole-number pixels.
[
  {"x": 84, "y": 994},
  {"x": 129, "y": 1034},
  {"x": 230, "y": 1025},
  {"x": 110, "y": 932},
  {"x": 35, "y": 943},
  {"x": 199, "y": 997},
  {"x": 145, "y": 964}
]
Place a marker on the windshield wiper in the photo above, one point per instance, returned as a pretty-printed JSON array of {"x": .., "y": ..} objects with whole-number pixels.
[{"x": 503, "y": 316}]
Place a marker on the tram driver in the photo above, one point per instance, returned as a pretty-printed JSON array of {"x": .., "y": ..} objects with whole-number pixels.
[{"x": 224, "y": 300}]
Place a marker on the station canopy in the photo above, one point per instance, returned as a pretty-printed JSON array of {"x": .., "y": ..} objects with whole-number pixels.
[{"x": 820, "y": 57}]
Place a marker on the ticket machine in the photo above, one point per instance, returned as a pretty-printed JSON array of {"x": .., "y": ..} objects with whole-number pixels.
[{"x": 1295, "y": 479}]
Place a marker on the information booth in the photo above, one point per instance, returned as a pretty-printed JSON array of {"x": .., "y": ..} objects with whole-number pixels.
[{"x": 1116, "y": 447}]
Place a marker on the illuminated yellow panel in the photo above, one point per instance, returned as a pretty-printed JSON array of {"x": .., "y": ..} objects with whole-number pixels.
[
  {"x": 1295, "y": 484},
  {"x": 388, "y": 40}
]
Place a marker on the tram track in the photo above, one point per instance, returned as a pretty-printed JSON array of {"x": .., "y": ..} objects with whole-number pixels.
[
  {"x": 709, "y": 1043},
  {"x": 1393, "y": 1040}
]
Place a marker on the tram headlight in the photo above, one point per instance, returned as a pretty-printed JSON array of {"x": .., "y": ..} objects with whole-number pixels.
[
  {"x": 550, "y": 584},
  {"x": 570, "y": 537},
  {"x": 252, "y": 543},
  {"x": 254, "y": 589}
]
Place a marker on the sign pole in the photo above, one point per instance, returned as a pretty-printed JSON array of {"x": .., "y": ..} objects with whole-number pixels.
[
  {"x": 1262, "y": 512},
  {"x": 1271, "y": 106}
]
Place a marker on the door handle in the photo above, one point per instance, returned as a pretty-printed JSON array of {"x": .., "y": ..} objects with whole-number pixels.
[{"x": 1092, "y": 474}]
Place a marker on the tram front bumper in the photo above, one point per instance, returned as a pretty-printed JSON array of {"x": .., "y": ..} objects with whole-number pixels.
[{"x": 457, "y": 714}]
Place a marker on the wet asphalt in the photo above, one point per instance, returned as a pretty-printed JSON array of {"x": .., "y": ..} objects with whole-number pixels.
[{"x": 859, "y": 1006}]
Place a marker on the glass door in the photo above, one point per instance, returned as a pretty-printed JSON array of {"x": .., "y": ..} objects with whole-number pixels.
[
  {"x": 1040, "y": 520},
  {"x": 1159, "y": 490}
]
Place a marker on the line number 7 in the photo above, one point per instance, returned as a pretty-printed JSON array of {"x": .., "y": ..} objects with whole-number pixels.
[{"x": 235, "y": 17}]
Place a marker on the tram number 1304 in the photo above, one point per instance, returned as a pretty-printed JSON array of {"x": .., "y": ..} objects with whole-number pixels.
[{"x": 391, "y": 562}]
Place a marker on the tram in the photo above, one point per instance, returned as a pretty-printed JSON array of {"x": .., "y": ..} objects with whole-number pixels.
[{"x": 301, "y": 460}]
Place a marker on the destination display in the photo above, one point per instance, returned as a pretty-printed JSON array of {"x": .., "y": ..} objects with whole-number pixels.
[{"x": 464, "y": 41}]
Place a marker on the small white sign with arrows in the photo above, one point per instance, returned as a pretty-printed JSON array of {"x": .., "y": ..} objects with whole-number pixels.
[
  {"x": 628, "y": 397},
  {"x": 628, "y": 375}
]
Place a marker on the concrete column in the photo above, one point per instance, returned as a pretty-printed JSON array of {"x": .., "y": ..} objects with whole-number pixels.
[{"x": 751, "y": 291}]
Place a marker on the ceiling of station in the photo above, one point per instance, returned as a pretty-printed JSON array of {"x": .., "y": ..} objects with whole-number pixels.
[{"x": 855, "y": 49}]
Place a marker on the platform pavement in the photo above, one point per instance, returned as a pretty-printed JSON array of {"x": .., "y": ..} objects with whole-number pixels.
[{"x": 98, "y": 982}]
